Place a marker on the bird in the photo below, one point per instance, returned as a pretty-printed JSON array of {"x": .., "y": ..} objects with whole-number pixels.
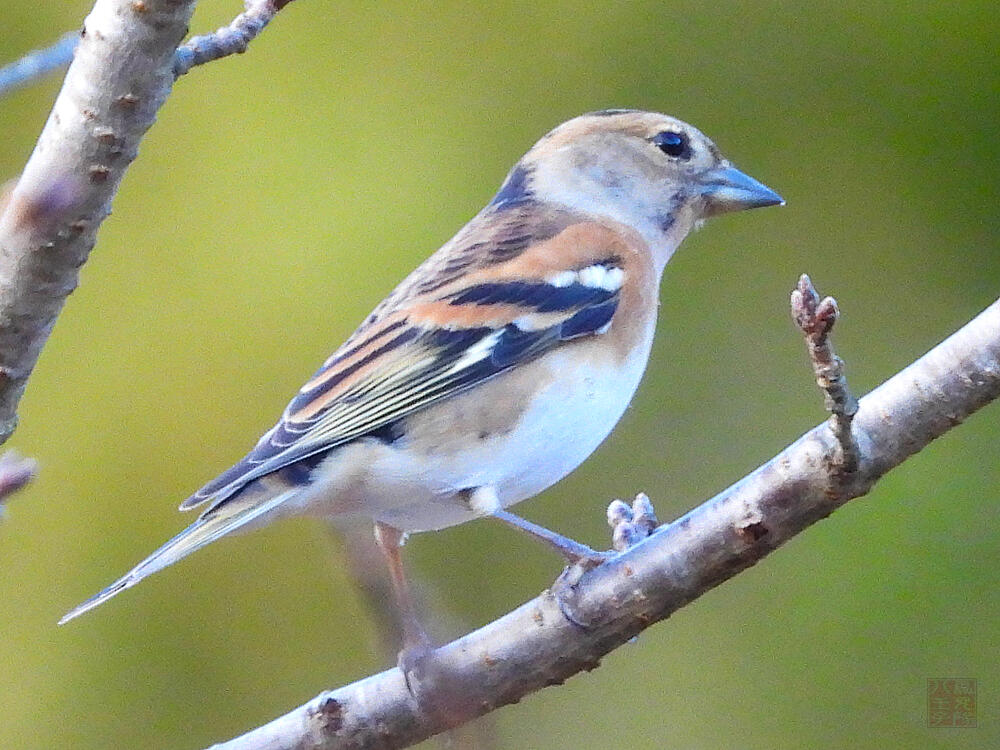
[{"x": 497, "y": 366}]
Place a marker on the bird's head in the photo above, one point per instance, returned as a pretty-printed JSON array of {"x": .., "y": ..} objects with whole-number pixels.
[{"x": 652, "y": 172}]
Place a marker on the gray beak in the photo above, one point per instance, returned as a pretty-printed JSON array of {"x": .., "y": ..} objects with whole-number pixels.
[{"x": 728, "y": 189}]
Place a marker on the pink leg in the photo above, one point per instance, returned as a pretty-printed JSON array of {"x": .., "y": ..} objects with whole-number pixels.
[{"x": 416, "y": 643}]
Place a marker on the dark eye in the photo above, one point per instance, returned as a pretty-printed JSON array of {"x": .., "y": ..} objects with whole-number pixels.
[{"x": 672, "y": 144}]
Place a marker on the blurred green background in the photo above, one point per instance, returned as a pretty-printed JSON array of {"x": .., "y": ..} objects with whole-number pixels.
[{"x": 283, "y": 192}]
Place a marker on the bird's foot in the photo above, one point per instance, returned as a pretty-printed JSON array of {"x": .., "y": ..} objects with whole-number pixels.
[
  {"x": 630, "y": 525},
  {"x": 412, "y": 660},
  {"x": 581, "y": 556}
]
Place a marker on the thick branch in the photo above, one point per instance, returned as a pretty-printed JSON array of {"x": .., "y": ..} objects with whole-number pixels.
[
  {"x": 120, "y": 76},
  {"x": 557, "y": 635}
]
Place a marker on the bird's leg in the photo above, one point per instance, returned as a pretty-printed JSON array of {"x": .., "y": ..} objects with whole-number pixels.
[
  {"x": 416, "y": 642},
  {"x": 484, "y": 499},
  {"x": 574, "y": 552},
  {"x": 369, "y": 574}
]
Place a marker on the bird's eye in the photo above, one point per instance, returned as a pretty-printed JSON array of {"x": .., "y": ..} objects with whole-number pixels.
[{"x": 672, "y": 144}]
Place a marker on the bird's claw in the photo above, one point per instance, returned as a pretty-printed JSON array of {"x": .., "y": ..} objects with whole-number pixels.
[
  {"x": 412, "y": 661},
  {"x": 584, "y": 558},
  {"x": 564, "y": 588}
]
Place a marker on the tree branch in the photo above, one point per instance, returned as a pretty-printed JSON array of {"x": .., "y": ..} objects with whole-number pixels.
[
  {"x": 816, "y": 317},
  {"x": 15, "y": 472},
  {"x": 370, "y": 576},
  {"x": 120, "y": 76},
  {"x": 198, "y": 50},
  {"x": 228, "y": 40},
  {"x": 38, "y": 63},
  {"x": 569, "y": 628},
  {"x": 123, "y": 69}
]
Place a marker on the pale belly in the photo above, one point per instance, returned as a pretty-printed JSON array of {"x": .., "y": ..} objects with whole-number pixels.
[{"x": 495, "y": 436}]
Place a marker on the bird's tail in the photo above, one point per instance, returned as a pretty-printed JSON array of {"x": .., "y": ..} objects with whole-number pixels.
[{"x": 233, "y": 514}]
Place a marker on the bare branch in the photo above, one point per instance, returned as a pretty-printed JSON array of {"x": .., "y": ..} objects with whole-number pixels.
[
  {"x": 816, "y": 317},
  {"x": 630, "y": 525},
  {"x": 38, "y": 63},
  {"x": 15, "y": 472},
  {"x": 121, "y": 74},
  {"x": 540, "y": 644},
  {"x": 124, "y": 66},
  {"x": 228, "y": 40}
]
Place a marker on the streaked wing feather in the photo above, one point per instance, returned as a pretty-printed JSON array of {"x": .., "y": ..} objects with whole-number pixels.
[{"x": 383, "y": 402}]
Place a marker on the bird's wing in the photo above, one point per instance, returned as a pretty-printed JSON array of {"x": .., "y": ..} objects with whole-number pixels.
[{"x": 458, "y": 320}]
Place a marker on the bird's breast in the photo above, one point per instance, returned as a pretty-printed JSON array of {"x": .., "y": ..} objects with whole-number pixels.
[{"x": 520, "y": 433}]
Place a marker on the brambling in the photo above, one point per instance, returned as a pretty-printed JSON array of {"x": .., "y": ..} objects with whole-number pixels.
[{"x": 498, "y": 365}]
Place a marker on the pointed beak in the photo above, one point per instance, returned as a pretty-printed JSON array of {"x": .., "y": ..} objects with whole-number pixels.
[{"x": 727, "y": 189}]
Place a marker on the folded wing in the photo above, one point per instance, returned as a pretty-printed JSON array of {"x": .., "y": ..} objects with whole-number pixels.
[{"x": 431, "y": 345}]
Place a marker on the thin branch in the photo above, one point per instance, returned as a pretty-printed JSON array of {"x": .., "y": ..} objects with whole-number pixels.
[
  {"x": 38, "y": 63},
  {"x": 570, "y": 628},
  {"x": 15, "y": 472},
  {"x": 228, "y": 40},
  {"x": 816, "y": 317},
  {"x": 630, "y": 525},
  {"x": 367, "y": 572}
]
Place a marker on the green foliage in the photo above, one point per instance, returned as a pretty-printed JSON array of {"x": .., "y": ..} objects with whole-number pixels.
[{"x": 283, "y": 192}]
